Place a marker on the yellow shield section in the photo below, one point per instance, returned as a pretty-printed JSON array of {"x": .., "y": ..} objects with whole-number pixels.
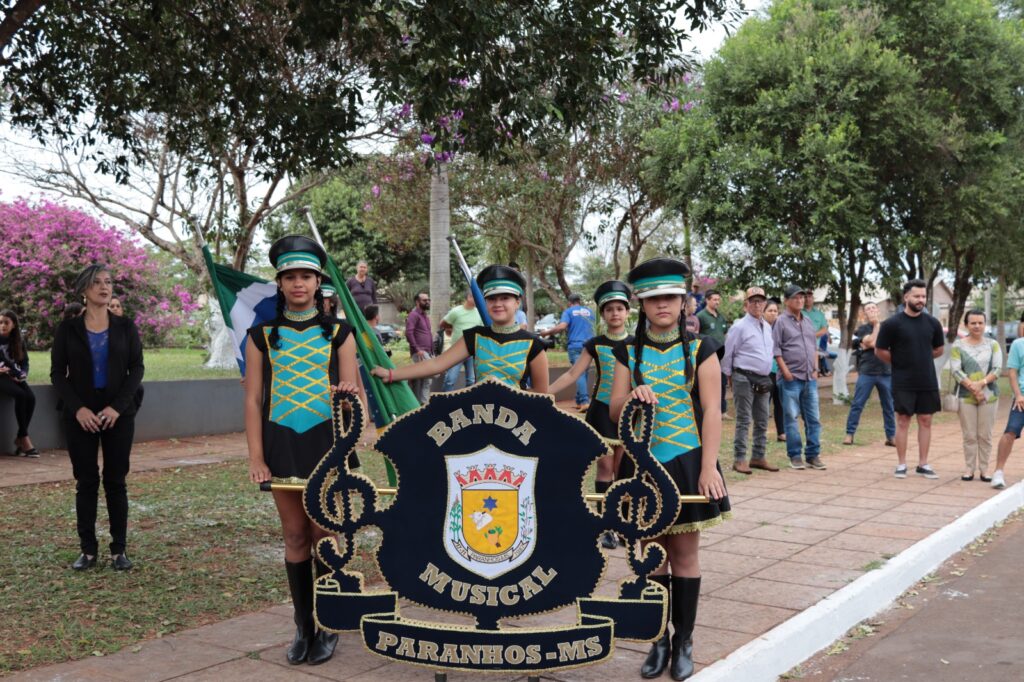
[{"x": 490, "y": 519}]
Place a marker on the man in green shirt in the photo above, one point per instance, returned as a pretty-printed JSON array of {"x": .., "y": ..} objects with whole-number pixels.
[
  {"x": 820, "y": 330},
  {"x": 714, "y": 325},
  {"x": 459, "y": 319}
]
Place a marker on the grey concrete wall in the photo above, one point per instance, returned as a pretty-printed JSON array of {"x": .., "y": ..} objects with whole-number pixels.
[{"x": 171, "y": 409}]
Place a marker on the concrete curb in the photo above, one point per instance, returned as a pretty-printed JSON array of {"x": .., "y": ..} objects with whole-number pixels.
[{"x": 797, "y": 639}]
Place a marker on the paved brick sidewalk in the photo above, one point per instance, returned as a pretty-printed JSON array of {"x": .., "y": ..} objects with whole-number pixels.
[{"x": 796, "y": 537}]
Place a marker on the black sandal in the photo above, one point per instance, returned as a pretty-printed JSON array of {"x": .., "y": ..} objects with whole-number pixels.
[
  {"x": 32, "y": 453},
  {"x": 967, "y": 478},
  {"x": 984, "y": 478}
]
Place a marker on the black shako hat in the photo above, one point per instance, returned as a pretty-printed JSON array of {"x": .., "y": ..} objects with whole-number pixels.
[
  {"x": 294, "y": 252},
  {"x": 501, "y": 279},
  {"x": 659, "y": 276},
  {"x": 327, "y": 287},
  {"x": 612, "y": 290}
]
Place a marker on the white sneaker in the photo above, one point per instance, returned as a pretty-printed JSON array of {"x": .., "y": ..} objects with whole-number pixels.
[{"x": 998, "y": 481}]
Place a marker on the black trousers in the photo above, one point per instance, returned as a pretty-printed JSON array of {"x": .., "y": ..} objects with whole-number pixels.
[
  {"x": 24, "y": 402},
  {"x": 777, "y": 412},
  {"x": 83, "y": 448}
]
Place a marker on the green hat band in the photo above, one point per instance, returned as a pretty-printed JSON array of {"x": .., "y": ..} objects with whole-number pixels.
[
  {"x": 506, "y": 285},
  {"x": 659, "y": 282},
  {"x": 328, "y": 290},
  {"x": 613, "y": 296},
  {"x": 297, "y": 259}
]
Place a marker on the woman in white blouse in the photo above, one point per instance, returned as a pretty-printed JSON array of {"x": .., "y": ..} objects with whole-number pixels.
[{"x": 976, "y": 363}]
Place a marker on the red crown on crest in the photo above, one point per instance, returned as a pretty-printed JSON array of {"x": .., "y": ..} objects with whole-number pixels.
[{"x": 472, "y": 474}]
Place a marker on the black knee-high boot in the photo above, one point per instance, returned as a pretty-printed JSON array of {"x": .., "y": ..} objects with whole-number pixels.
[
  {"x": 657, "y": 657},
  {"x": 608, "y": 539},
  {"x": 685, "y": 593},
  {"x": 300, "y": 582},
  {"x": 322, "y": 648}
]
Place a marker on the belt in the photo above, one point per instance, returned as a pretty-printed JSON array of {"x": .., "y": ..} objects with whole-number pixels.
[{"x": 747, "y": 372}]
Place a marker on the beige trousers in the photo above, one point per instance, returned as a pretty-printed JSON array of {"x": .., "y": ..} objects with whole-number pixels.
[{"x": 977, "y": 421}]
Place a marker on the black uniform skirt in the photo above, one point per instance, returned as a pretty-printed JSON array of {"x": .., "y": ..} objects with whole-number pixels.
[
  {"x": 289, "y": 455},
  {"x": 599, "y": 416},
  {"x": 685, "y": 471}
]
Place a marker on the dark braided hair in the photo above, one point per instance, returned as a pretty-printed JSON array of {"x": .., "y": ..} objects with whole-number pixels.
[
  {"x": 275, "y": 335},
  {"x": 325, "y": 322},
  {"x": 640, "y": 339}
]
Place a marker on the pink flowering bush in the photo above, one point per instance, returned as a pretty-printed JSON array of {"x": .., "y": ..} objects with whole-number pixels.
[{"x": 43, "y": 247}]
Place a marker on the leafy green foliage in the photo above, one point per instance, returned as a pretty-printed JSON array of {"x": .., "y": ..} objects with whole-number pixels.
[{"x": 289, "y": 79}]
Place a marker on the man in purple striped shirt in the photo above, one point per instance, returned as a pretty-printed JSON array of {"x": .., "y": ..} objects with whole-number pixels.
[
  {"x": 797, "y": 355},
  {"x": 747, "y": 363}
]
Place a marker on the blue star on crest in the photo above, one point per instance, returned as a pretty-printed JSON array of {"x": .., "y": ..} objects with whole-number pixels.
[{"x": 490, "y": 503}]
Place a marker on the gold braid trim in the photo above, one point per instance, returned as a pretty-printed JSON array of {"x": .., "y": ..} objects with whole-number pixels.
[{"x": 698, "y": 525}]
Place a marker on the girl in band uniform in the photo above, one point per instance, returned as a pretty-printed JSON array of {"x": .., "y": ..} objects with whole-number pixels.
[
  {"x": 504, "y": 351},
  {"x": 293, "y": 365},
  {"x": 612, "y": 299},
  {"x": 678, "y": 373}
]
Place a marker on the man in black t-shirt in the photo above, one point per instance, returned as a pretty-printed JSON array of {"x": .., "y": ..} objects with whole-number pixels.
[
  {"x": 872, "y": 373},
  {"x": 910, "y": 340}
]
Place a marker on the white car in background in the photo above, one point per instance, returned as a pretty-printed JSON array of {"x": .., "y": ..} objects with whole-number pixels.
[{"x": 545, "y": 323}]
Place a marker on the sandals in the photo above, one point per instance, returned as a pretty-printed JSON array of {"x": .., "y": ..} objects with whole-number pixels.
[{"x": 968, "y": 478}]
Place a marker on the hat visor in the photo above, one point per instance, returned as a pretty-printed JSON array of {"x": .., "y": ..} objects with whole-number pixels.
[
  {"x": 303, "y": 265},
  {"x": 663, "y": 291},
  {"x": 496, "y": 291}
]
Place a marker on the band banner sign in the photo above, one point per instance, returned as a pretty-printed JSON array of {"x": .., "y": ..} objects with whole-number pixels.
[{"x": 490, "y": 521}]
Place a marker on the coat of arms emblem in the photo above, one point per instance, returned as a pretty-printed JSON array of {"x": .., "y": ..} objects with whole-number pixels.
[{"x": 491, "y": 524}]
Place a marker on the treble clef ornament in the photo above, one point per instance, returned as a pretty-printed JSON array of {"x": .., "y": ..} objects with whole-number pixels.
[
  {"x": 643, "y": 506},
  {"x": 338, "y": 500}
]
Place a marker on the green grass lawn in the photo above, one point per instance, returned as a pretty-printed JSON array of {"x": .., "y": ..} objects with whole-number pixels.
[
  {"x": 206, "y": 545},
  {"x": 175, "y": 364},
  {"x": 162, "y": 364}
]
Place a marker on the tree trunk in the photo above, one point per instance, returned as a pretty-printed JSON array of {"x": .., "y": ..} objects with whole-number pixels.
[{"x": 440, "y": 256}]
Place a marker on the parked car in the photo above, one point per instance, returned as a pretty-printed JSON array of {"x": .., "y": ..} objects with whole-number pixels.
[
  {"x": 545, "y": 323},
  {"x": 388, "y": 332},
  {"x": 1010, "y": 327}
]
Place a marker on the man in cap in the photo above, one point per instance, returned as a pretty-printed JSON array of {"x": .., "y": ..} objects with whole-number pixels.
[
  {"x": 747, "y": 364},
  {"x": 797, "y": 357},
  {"x": 578, "y": 319}
]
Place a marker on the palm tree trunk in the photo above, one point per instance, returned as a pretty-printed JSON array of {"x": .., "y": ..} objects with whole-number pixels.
[{"x": 440, "y": 257}]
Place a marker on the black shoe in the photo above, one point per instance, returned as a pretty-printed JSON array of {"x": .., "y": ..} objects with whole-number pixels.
[
  {"x": 322, "y": 648},
  {"x": 83, "y": 562},
  {"x": 657, "y": 659},
  {"x": 120, "y": 562},
  {"x": 682, "y": 657},
  {"x": 608, "y": 540},
  {"x": 300, "y": 583}
]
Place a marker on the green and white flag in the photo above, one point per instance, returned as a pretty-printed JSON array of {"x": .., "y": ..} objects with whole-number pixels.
[{"x": 245, "y": 301}]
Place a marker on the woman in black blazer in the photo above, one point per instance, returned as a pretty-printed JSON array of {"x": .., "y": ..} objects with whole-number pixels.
[{"x": 96, "y": 367}]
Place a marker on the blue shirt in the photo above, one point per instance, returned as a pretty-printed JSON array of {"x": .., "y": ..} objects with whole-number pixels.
[
  {"x": 1016, "y": 361},
  {"x": 99, "y": 346},
  {"x": 520, "y": 316},
  {"x": 581, "y": 325}
]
